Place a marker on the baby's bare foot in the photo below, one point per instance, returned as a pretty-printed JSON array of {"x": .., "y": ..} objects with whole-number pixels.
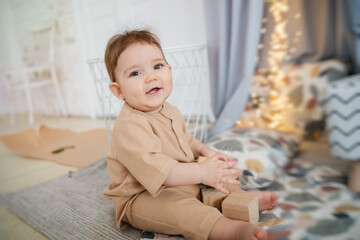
[
  {"x": 228, "y": 229},
  {"x": 261, "y": 234},
  {"x": 266, "y": 199},
  {"x": 250, "y": 231}
]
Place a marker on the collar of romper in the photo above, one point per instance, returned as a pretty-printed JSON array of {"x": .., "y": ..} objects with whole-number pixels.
[{"x": 165, "y": 111}]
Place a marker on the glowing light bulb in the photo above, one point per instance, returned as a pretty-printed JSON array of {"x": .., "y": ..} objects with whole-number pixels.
[
  {"x": 297, "y": 16},
  {"x": 279, "y": 44}
]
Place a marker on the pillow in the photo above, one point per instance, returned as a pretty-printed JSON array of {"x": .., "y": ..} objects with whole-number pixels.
[
  {"x": 280, "y": 141},
  {"x": 260, "y": 153},
  {"x": 305, "y": 87}
]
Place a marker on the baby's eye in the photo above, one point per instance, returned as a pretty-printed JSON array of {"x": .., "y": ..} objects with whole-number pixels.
[
  {"x": 158, "y": 66},
  {"x": 134, "y": 74}
]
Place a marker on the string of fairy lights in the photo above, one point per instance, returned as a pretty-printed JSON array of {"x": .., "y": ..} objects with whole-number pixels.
[
  {"x": 276, "y": 114},
  {"x": 273, "y": 112}
]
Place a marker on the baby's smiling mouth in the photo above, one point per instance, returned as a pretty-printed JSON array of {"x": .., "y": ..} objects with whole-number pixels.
[{"x": 153, "y": 90}]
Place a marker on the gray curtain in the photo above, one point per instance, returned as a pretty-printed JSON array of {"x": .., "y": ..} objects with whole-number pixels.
[
  {"x": 233, "y": 33},
  {"x": 352, "y": 8},
  {"x": 329, "y": 29}
]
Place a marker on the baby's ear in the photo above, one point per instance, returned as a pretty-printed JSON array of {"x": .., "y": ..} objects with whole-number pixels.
[{"x": 116, "y": 90}]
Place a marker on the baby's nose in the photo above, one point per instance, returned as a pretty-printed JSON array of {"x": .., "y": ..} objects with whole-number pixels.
[{"x": 151, "y": 77}]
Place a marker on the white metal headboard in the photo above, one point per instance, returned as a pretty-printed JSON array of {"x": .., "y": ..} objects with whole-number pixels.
[{"x": 191, "y": 91}]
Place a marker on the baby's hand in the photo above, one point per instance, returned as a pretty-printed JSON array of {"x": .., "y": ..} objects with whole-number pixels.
[
  {"x": 225, "y": 157},
  {"x": 217, "y": 174},
  {"x": 208, "y": 152}
]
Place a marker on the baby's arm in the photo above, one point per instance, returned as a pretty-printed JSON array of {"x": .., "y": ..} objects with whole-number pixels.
[{"x": 208, "y": 172}]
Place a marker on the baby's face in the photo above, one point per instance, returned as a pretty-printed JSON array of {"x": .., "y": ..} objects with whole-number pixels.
[{"x": 144, "y": 77}]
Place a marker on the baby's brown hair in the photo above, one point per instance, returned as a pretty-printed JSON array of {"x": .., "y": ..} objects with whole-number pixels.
[{"x": 119, "y": 42}]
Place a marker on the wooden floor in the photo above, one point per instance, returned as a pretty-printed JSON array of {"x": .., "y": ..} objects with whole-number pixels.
[
  {"x": 319, "y": 152},
  {"x": 17, "y": 172}
]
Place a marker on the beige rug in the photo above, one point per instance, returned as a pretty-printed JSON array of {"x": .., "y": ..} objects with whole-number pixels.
[
  {"x": 70, "y": 206},
  {"x": 59, "y": 145}
]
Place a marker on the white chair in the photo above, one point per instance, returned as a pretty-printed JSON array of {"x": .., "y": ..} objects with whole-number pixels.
[
  {"x": 38, "y": 70},
  {"x": 191, "y": 91}
]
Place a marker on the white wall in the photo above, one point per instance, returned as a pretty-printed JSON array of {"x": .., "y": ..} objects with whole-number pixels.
[
  {"x": 5, "y": 57},
  {"x": 176, "y": 22},
  {"x": 84, "y": 26}
]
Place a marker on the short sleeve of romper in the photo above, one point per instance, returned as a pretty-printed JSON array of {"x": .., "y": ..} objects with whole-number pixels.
[{"x": 141, "y": 152}]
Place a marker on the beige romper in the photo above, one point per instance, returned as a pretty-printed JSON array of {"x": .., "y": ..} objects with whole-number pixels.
[{"x": 144, "y": 149}]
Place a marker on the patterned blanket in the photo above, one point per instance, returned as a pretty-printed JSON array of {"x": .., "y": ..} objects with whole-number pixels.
[{"x": 313, "y": 204}]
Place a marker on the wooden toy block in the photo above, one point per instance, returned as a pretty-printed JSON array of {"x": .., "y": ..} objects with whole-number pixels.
[
  {"x": 354, "y": 178},
  {"x": 201, "y": 159},
  {"x": 212, "y": 197},
  {"x": 241, "y": 206}
]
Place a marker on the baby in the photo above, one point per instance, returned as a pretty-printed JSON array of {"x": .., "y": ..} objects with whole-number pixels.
[{"x": 154, "y": 175}]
